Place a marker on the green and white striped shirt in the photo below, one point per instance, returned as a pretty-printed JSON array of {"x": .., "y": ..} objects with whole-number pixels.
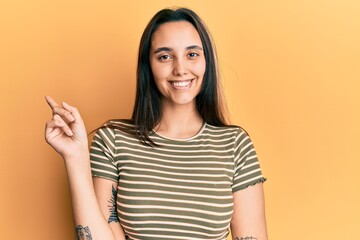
[{"x": 181, "y": 189}]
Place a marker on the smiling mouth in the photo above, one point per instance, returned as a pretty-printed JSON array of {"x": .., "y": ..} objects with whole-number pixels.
[{"x": 181, "y": 84}]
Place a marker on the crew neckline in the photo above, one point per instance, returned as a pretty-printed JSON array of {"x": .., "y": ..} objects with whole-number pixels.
[{"x": 182, "y": 139}]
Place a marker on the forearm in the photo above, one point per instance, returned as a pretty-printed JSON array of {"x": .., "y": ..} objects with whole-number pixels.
[{"x": 89, "y": 220}]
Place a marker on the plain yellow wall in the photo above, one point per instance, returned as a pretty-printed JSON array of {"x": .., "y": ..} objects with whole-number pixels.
[{"x": 291, "y": 78}]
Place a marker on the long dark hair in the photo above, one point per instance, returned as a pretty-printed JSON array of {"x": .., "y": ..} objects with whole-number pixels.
[{"x": 147, "y": 109}]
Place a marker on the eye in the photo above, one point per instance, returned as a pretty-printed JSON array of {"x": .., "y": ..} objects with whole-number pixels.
[
  {"x": 164, "y": 57},
  {"x": 193, "y": 55}
]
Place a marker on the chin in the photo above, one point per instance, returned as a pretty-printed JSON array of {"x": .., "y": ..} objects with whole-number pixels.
[{"x": 184, "y": 102}]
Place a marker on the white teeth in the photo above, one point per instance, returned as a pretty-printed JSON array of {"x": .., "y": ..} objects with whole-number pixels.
[{"x": 181, "y": 84}]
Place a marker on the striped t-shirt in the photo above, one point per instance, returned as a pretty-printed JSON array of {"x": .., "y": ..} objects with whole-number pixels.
[{"x": 181, "y": 189}]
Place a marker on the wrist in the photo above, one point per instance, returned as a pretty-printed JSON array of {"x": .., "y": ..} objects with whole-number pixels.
[
  {"x": 77, "y": 155},
  {"x": 78, "y": 162}
]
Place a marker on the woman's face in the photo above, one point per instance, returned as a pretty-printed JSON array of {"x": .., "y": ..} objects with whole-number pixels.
[{"x": 177, "y": 62}]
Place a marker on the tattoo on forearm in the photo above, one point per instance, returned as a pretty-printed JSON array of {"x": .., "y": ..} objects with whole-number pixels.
[
  {"x": 112, "y": 207},
  {"x": 83, "y": 233},
  {"x": 245, "y": 238}
]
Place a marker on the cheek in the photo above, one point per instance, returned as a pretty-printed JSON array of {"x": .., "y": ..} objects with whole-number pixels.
[
  {"x": 159, "y": 71},
  {"x": 200, "y": 68},
  {"x": 159, "y": 75}
]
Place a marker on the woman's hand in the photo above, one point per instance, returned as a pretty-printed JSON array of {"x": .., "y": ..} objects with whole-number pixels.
[{"x": 66, "y": 132}]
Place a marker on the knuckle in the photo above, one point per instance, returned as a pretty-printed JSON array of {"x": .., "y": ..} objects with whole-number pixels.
[{"x": 56, "y": 109}]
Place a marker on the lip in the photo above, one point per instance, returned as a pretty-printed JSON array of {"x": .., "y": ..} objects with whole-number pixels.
[{"x": 181, "y": 84}]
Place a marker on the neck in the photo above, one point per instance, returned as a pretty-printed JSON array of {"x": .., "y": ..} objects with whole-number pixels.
[{"x": 180, "y": 121}]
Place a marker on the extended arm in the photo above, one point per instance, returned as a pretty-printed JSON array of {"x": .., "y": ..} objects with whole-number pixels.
[
  {"x": 66, "y": 133},
  {"x": 248, "y": 222}
]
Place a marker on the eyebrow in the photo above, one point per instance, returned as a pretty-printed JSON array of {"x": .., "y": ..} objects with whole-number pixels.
[{"x": 167, "y": 49}]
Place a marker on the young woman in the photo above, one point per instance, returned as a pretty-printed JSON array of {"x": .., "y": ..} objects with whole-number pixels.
[{"x": 176, "y": 169}]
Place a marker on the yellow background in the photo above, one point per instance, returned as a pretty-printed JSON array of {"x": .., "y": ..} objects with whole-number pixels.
[{"x": 291, "y": 78}]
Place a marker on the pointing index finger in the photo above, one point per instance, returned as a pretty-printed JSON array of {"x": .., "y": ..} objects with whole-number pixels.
[{"x": 51, "y": 102}]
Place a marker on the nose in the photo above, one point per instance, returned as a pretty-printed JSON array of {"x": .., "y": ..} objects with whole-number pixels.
[{"x": 180, "y": 68}]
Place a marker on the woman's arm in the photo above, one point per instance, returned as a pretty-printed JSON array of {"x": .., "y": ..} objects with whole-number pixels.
[
  {"x": 248, "y": 221},
  {"x": 66, "y": 133},
  {"x": 106, "y": 192}
]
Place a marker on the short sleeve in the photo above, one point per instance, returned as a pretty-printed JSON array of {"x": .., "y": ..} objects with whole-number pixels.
[
  {"x": 102, "y": 151},
  {"x": 247, "y": 170}
]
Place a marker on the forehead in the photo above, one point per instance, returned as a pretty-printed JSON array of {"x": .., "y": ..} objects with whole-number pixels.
[{"x": 172, "y": 34}]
